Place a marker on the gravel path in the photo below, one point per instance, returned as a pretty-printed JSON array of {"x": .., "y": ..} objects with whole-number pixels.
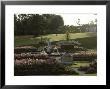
[{"x": 79, "y": 72}]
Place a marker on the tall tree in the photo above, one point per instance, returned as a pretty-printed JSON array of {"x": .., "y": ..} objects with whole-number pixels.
[
  {"x": 56, "y": 22},
  {"x": 36, "y": 24}
]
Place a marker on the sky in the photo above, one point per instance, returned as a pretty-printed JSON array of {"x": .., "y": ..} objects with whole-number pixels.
[{"x": 72, "y": 19}]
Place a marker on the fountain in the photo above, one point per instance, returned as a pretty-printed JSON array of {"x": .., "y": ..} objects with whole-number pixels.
[{"x": 49, "y": 47}]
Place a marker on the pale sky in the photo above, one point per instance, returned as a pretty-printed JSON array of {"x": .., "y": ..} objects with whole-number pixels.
[{"x": 71, "y": 19}]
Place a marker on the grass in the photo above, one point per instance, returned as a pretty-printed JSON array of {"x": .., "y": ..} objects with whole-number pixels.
[
  {"x": 59, "y": 37},
  {"x": 86, "y": 75},
  {"x": 87, "y": 39},
  {"x": 89, "y": 75},
  {"x": 78, "y": 64},
  {"x": 88, "y": 42},
  {"x": 22, "y": 40}
]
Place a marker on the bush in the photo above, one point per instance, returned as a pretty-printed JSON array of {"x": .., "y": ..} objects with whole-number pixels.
[
  {"x": 42, "y": 43},
  {"x": 85, "y": 57},
  {"x": 25, "y": 49},
  {"x": 41, "y": 67},
  {"x": 30, "y": 56},
  {"x": 91, "y": 69}
]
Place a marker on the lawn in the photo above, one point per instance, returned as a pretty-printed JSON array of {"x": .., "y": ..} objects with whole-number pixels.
[
  {"x": 78, "y": 63},
  {"x": 86, "y": 75},
  {"x": 59, "y": 37},
  {"x": 89, "y": 75},
  {"x": 25, "y": 40},
  {"x": 88, "y": 42},
  {"x": 87, "y": 39}
]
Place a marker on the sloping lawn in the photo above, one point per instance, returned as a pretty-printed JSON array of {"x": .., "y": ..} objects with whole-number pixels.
[
  {"x": 58, "y": 37},
  {"x": 87, "y": 39}
]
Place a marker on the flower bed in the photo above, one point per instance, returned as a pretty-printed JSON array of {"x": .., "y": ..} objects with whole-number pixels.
[
  {"x": 84, "y": 57},
  {"x": 30, "y": 55},
  {"x": 25, "y": 49},
  {"x": 40, "y": 67}
]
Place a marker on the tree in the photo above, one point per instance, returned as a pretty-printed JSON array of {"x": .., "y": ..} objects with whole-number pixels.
[
  {"x": 36, "y": 24},
  {"x": 56, "y": 22}
]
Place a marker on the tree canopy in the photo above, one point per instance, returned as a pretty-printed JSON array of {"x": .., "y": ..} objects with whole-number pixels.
[{"x": 36, "y": 24}]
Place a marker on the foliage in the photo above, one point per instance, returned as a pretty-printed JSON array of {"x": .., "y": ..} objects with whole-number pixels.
[
  {"x": 40, "y": 67},
  {"x": 91, "y": 69},
  {"x": 91, "y": 56},
  {"x": 36, "y": 24},
  {"x": 24, "y": 49}
]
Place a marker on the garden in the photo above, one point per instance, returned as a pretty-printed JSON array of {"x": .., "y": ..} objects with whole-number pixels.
[{"x": 64, "y": 50}]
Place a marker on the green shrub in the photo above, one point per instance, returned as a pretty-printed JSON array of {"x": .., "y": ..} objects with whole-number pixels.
[
  {"x": 91, "y": 69},
  {"x": 39, "y": 68}
]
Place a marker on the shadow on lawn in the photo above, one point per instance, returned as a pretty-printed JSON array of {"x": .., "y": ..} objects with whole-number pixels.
[{"x": 88, "y": 42}]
